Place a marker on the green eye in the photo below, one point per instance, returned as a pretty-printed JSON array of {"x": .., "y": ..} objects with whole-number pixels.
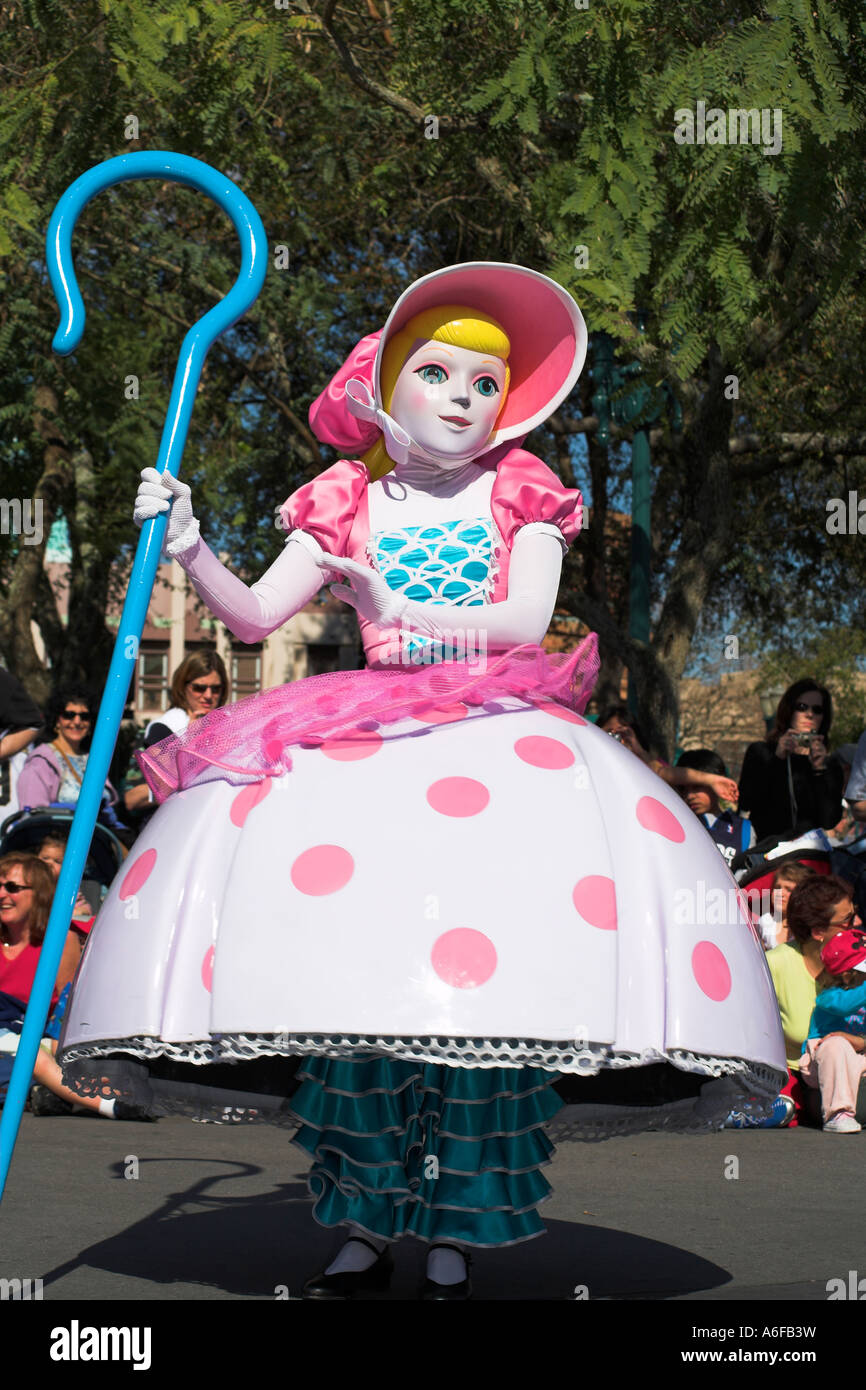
[
  {"x": 433, "y": 376},
  {"x": 486, "y": 386}
]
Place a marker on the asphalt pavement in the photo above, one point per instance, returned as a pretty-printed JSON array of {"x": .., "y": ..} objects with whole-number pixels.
[{"x": 109, "y": 1210}]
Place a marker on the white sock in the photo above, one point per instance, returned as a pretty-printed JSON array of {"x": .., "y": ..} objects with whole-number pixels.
[
  {"x": 446, "y": 1266},
  {"x": 354, "y": 1256},
  {"x": 106, "y": 1107}
]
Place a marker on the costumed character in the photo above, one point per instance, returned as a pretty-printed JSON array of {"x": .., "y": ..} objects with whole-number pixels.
[{"x": 433, "y": 880}]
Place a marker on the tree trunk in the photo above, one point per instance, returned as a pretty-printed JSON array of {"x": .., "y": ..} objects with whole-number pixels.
[
  {"x": 87, "y": 650},
  {"x": 27, "y": 587},
  {"x": 703, "y": 548}
]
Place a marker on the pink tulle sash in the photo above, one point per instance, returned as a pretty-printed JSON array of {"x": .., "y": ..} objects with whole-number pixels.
[{"x": 251, "y": 740}]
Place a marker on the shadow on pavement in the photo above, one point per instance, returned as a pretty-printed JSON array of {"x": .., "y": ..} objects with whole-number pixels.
[{"x": 267, "y": 1245}]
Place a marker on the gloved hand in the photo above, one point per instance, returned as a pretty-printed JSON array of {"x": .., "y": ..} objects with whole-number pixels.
[
  {"x": 368, "y": 593},
  {"x": 158, "y": 491}
]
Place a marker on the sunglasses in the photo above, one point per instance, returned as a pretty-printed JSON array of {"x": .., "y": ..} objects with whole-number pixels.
[
  {"x": 802, "y": 708},
  {"x": 847, "y": 922},
  {"x": 73, "y": 714},
  {"x": 205, "y": 689},
  {"x": 14, "y": 888}
]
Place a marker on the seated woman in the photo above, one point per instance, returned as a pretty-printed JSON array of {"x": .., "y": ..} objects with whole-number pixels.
[
  {"x": 26, "y": 891},
  {"x": 833, "y": 1054},
  {"x": 817, "y": 910},
  {"x": 199, "y": 685},
  {"x": 54, "y": 769}
]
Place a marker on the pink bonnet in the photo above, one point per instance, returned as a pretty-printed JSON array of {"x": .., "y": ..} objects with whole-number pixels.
[{"x": 548, "y": 347}]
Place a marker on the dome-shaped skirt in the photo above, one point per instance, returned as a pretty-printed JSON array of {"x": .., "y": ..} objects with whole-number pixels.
[{"x": 502, "y": 889}]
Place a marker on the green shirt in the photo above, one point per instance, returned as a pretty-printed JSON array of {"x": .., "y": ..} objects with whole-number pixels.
[{"x": 795, "y": 991}]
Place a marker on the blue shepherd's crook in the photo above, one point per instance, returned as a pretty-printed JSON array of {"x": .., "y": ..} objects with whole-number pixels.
[{"x": 177, "y": 168}]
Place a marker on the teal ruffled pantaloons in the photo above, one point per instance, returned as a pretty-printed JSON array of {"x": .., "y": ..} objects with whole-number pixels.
[{"x": 438, "y": 1152}]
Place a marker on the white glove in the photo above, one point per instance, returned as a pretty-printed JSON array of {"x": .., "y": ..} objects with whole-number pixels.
[
  {"x": 156, "y": 493},
  {"x": 368, "y": 593}
]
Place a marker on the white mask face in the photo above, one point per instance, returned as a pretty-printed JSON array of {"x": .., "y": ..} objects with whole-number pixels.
[{"x": 448, "y": 398}]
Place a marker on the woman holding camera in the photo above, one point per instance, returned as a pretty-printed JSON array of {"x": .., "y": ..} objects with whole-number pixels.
[{"x": 788, "y": 785}]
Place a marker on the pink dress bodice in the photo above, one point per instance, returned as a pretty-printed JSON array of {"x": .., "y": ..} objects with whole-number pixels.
[{"x": 335, "y": 509}]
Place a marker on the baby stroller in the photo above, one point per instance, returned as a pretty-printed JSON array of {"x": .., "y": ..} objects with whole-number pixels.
[
  {"x": 25, "y": 830},
  {"x": 755, "y": 868}
]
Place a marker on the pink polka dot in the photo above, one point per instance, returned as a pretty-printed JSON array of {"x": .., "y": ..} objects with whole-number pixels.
[
  {"x": 654, "y": 816},
  {"x": 246, "y": 799},
  {"x": 207, "y": 969},
  {"x": 349, "y": 748},
  {"x": 439, "y": 714},
  {"x": 322, "y": 869},
  {"x": 138, "y": 873},
  {"x": 544, "y": 752},
  {"x": 595, "y": 899},
  {"x": 711, "y": 971},
  {"x": 464, "y": 958},
  {"x": 560, "y": 712},
  {"x": 458, "y": 796}
]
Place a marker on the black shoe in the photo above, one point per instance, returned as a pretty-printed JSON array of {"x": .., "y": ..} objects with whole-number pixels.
[
  {"x": 123, "y": 1111},
  {"x": 431, "y": 1292},
  {"x": 45, "y": 1102},
  {"x": 374, "y": 1279}
]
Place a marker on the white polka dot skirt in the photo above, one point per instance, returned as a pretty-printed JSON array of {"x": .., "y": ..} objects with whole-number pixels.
[{"x": 500, "y": 886}]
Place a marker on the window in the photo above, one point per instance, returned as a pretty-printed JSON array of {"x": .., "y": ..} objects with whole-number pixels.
[
  {"x": 152, "y": 692},
  {"x": 246, "y": 674}
]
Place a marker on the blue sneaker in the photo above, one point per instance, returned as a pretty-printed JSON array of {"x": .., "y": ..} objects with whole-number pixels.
[{"x": 781, "y": 1115}]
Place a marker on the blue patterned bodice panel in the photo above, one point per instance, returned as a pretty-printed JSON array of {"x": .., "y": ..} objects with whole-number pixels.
[{"x": 445, "y": 562}]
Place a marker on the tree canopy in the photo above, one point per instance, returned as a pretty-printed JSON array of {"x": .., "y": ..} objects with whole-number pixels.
[{"x": 379, "y": 141}]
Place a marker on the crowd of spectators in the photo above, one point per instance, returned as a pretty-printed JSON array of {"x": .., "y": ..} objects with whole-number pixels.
[{"x": 791, "y": 784}]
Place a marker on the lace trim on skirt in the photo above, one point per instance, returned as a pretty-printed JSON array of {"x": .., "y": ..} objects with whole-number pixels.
[{"x": 549, "y": 1055}]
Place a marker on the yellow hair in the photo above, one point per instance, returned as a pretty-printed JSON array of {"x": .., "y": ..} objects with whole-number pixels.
[{"x": 449, "y": 323}]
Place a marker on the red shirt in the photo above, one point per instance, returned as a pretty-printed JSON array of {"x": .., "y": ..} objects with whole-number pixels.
[{"x": 17, "y": 975}]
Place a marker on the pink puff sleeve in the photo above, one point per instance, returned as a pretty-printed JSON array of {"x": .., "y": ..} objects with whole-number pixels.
[
  {"x": 526, "y": 492},
  {"x": 325, "y": 508}
]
